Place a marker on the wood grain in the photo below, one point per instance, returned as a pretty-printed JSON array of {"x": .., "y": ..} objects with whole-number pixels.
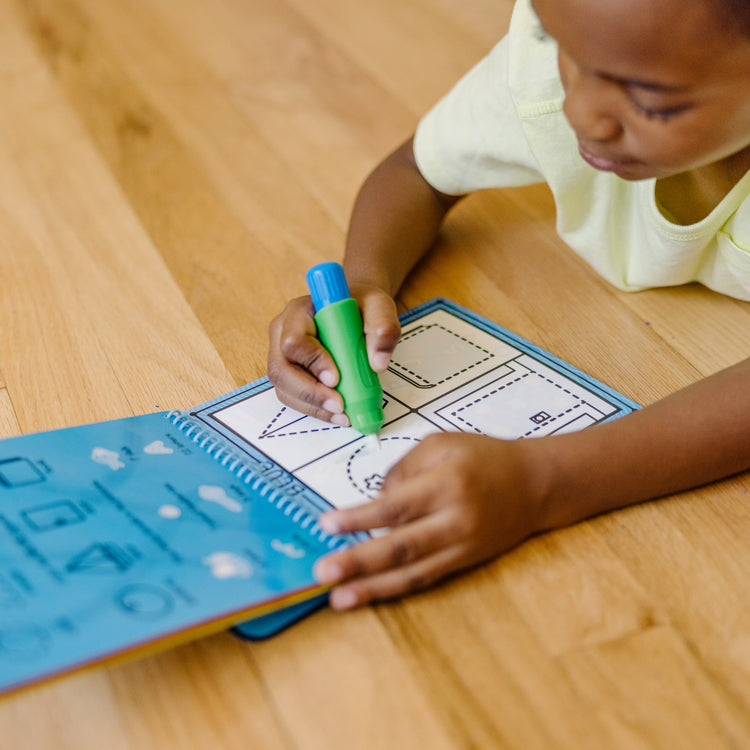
[{"x": 168, "y": 171}]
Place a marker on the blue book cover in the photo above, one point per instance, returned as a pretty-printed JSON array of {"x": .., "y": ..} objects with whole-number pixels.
[{"x": 130, "y": 535}]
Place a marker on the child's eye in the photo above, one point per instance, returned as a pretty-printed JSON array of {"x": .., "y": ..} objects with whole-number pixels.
[{"x": 656, "y": 113}]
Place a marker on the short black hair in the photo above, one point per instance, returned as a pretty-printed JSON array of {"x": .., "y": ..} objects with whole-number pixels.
[{"x": 734, "y": 15}]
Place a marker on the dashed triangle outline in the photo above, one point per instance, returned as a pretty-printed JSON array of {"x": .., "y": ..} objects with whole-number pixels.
[{"x": 270, "y": 431}]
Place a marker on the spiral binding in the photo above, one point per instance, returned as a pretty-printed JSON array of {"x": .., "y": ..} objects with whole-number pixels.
[{"x": 257, "y": 479}]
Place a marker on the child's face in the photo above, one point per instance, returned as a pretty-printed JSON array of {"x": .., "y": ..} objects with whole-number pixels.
[{"x": 653, "y": 87}]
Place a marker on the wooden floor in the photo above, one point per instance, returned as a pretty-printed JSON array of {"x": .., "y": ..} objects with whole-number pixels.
[{"x": 168, "y": 171}]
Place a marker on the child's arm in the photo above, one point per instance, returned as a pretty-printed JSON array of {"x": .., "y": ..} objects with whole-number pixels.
[
  {"x": 395, "y": 220},
  {"x": 460, "y": 499}
]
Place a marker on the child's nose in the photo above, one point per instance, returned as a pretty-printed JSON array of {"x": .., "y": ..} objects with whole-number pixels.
[{"x": 587, "y": 110}]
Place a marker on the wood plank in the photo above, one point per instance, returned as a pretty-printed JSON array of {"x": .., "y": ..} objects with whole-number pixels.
[
  {"x": 494, "y": 679},
  {"x": 341, "y": 683},
  {"x": 167, "y": 173},
  {"x": 8, "y": 421},
  {"x": 653, "y": 694},
  {"x": 208, "y": 203},
  {"x": 697, "y": 568},
  {"x": 391, "y": 37},
  {"x": 88, "y": 268},
  {"x": 575, "y": 592},
  {"x": 79, "y": 712}
]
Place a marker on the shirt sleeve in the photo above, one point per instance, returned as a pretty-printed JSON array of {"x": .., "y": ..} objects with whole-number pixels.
[{"x": 472, "y": 138}]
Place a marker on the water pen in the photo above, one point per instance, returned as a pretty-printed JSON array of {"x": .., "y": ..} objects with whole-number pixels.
[{"x": 339, "y": 325}]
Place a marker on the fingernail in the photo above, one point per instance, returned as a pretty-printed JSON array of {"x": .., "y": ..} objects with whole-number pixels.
[
  {"x": 328, "y": 377},
  {"x": 326, "y": 571},
  {"x": 333, "y": 405},
  {"x": 340, "y": 419},
  {"x": 343, "y": 599},
  {"x": 380, "y": 361},
  {"x": 329, "y": 524}
]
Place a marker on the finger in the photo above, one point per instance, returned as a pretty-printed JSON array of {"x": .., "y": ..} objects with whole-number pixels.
[
  {"x": 382, "y": 329},
  {"x": 296, "y": 384},
  {"x": 395, "y": 507},
  {"x": 424, "y": 462},
  {"x": 299, "y": 390},
  {"x": 408, "y": 579},
  {"x": 294, "y": 337},
  {"x": 393, "y": 550}
]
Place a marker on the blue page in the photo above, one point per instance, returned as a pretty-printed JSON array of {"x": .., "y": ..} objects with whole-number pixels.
[{"x": 117, "y": 534}]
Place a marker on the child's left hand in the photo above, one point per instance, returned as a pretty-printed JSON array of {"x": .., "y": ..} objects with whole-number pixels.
[
  {"x": 459, "y": 499},
  {"x": 454, "y": 501}
]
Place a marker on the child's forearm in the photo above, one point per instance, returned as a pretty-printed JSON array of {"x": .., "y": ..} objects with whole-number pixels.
[
  {"x": 457, "y": 499},
  {"x": 395, "y": 220},
  {"x": 692, "y": 437}
]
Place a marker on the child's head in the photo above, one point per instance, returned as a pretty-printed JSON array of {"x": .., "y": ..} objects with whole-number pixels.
[
  {"x": 654, "y": 87},
  {"x": 733, "y": 14}
]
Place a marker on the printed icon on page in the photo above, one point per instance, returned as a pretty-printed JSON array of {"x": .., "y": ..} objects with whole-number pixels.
[
  {"x": 107, "y": 458},
  {"x": 228, "y": 565},
  {"x": 19, "y": 472}
]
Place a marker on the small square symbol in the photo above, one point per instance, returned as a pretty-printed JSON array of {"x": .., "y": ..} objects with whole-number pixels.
[
  {"x": 19, "y": 472},
  {"x": 540, "y": 417}
]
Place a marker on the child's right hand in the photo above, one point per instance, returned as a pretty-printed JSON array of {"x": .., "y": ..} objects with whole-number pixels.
[{"x": 303, "y": 372}]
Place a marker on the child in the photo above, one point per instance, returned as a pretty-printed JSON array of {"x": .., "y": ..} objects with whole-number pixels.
[{"x": 637, "y": 115}]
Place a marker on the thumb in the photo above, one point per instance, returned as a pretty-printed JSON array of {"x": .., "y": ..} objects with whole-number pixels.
[{"x": 381, "y": 326}]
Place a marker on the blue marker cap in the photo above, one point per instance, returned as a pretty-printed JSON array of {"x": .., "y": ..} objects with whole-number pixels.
[{"x": 327, "y": 284}]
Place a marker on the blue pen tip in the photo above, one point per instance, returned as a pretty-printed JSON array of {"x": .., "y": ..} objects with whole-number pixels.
[{"x": 327, "y": 284}]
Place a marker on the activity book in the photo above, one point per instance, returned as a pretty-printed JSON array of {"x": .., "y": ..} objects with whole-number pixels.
[{"x": 131, "y": 535}]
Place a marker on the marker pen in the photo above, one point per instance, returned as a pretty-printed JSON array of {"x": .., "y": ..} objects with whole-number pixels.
[{"x": 339, "y": 325}]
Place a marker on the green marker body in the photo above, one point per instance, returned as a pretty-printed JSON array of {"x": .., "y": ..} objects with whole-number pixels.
[{"x": 340, "y": 331}]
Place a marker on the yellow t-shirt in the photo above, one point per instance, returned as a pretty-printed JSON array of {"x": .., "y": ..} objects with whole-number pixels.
[{"x": 503, "y": 125}]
